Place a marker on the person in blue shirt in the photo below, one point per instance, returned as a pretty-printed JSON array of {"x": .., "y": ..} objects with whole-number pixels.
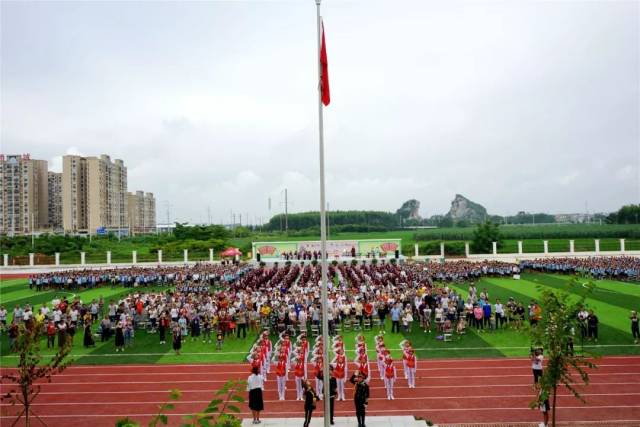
[
  {"x": 396, "y": 313},
  {"x": 486, "y": 310}
]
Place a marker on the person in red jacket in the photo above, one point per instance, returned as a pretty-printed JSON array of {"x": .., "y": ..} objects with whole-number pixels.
[
  {"x": 281, "y": 375},
  {"x": 340, "y": 374},
  {"x": 389, "y": 377},
  {"x": 51, "y": 334},
  {"x": 319, "y": 375},
  {"x": 298, "y": 376},
  {"x": 411, "y": 365}
]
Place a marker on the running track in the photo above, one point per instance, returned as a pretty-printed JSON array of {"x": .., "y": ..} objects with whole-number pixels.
[{"x": 448, "y": 391}]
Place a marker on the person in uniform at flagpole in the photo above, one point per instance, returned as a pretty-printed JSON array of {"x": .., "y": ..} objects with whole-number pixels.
[
  {"x": 389, "y": 377},
  {"x": 360, "y": 396},
  {"x": 333, "y": 388}
]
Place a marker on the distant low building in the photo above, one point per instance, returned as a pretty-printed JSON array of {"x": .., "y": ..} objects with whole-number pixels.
[{"x": 573, "y": 218}]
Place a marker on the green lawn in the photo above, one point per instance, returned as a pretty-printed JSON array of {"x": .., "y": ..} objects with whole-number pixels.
[{"x": 612, "y": 301}]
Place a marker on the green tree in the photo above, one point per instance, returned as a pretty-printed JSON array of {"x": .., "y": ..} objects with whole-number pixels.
[
  {"x": 554, "y": 333},
  {"x": 218, "y": 413},
  {"x": 31, "y": 370},
  {"x": 484, "y": 235},
  {"x": 628, "y": 214}
]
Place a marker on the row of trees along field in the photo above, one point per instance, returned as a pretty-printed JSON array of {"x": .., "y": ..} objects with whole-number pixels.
[
  {"x": 368, "y": 221},
  {"x": 196, "y": 239}
]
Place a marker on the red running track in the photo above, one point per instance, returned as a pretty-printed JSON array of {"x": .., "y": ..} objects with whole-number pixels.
[{"x": 448, "y": 391}]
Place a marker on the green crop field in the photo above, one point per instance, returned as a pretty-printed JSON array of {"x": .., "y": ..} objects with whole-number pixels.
[
  {"x": 428, "y": 241},
  {"x": 611, "y": 300}
]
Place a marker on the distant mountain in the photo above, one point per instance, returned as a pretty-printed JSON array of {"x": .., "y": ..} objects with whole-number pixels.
[
  {"x": 409, "y": 210},
  {"x": 463, "y": 209}
]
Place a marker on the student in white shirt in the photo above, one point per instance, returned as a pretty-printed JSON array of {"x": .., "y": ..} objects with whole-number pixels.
[{"x": 255, "y": 386}]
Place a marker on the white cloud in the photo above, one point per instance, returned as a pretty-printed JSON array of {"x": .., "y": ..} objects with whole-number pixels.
[{"x": 214, "y": 104}]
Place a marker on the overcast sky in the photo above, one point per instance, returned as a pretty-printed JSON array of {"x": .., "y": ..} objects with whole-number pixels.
[{"x": 517, "y": 105}]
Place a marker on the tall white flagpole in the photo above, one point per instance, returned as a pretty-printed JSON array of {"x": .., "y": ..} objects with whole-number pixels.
[{"x": 323, "y": 237}]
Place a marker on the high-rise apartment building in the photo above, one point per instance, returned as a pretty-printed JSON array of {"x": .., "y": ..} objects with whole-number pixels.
[
  {"x": 142, "y": 212},
  {"x": 94, "y": 194},
  {"x": 74, "y": 194},
  {"x": 55, "y": 201},
  {"x": 23, "y": 194}
]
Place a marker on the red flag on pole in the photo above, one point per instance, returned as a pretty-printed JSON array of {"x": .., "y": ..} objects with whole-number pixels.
[{"x": 324, "y": 80}]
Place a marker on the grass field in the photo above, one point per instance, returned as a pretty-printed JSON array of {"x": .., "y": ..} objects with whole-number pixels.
[{"x": 611, "y": 300}]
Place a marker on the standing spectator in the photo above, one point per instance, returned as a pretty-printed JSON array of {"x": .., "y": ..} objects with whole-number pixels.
[
  {"x": 87, "y": 340},
  {"x": 62, "y": 334},
  {"x": 3, "y": 317},
  {"x": 583, "y": 314},
  {"x": 635, "y": 330},
  {"x": 105, "y": 329},
  {"x": 255, "y": 385},
  {"x": 310, "y": 399},
  {"x": 163, "y": 325},
  {"x": 219, "y": 339},
  {"x": 486, "y": 311},
  {"x": 360, "y": 396},
  {"x": 519, "y": 316},
  {"x": 206, "y": 329},
  {"x": 241, "y": 323},
  {"x": 177, "y": 339},
  {"x": 478, "y": 314},
  {"x": 396, "y": 312},
  {"x": 499, "y": 309},
  {"x": 94, "y": 310},
  {"x": 14, "y": 330},
  {"x": 51, "y": 334},
  {"x": 536, "y": 365},
  {"x": 195, "y": 328},
  {"x": 382, "y": 314},
  {"x": 592, "y": 325},
  {"x": 535, "y": 313},
  {"x": 119, "y": 336},
  {"x": 407, "y": 320}
]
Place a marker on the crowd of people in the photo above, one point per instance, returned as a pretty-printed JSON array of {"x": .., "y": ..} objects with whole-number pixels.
[
  {"x": 618, "y": 268},
  {"x": 160, "y": 275},
  {"x": 211, "y": 303},
  {"x": 286, "y": 298}
]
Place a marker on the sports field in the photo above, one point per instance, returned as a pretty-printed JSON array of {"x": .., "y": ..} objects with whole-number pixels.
[{"x": 612, "y": 301}]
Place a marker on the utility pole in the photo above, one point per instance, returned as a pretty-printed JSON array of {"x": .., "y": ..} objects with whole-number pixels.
[{"x": 209, "y": 214}]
